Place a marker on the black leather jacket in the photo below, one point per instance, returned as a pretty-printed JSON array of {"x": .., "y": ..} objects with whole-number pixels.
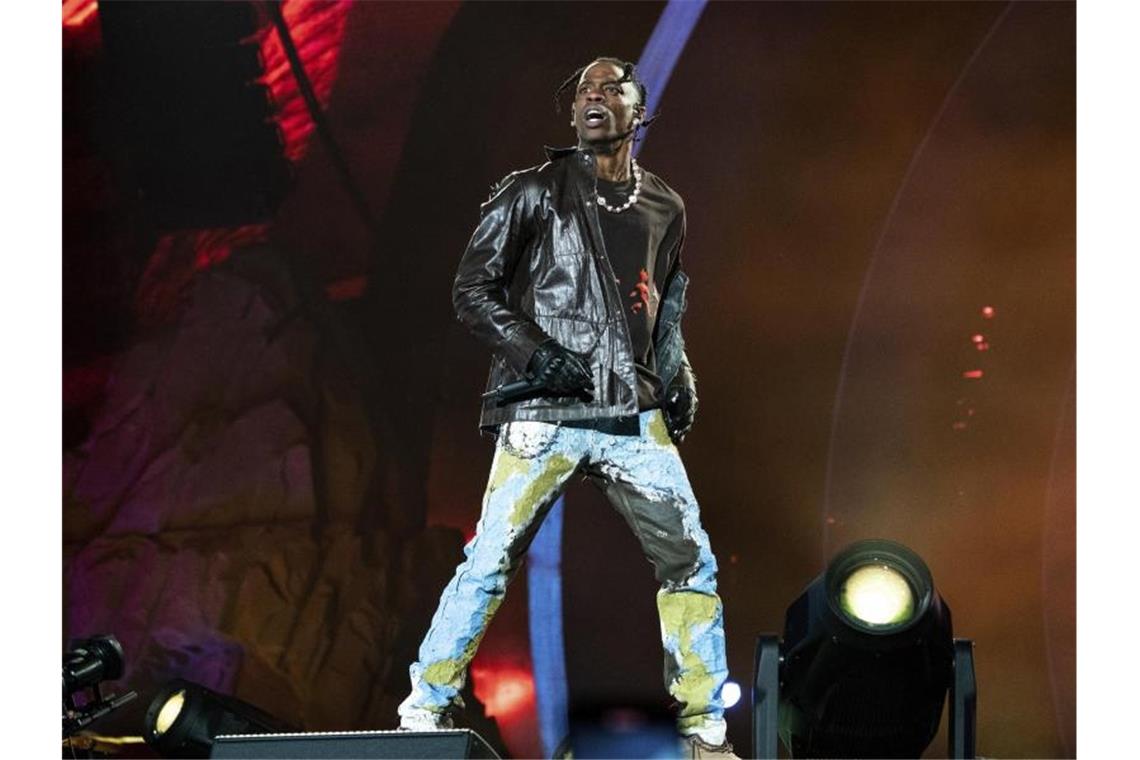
[{"x": 536, "y": 268}]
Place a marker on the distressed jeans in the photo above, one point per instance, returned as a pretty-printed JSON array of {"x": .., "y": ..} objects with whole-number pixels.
[{"x": 644, "y": 479}]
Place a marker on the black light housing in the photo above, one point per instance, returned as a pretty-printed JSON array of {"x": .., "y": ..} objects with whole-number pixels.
[
  {"x": 91, "y": 661},
  {"x": 184, "y": 718},
  {"x": 86, "y": 665},
  {"x": 867, "y": 657}
]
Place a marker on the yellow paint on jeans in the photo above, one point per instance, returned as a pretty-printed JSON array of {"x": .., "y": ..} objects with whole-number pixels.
[
  {"x": 555, "y": 469},
  {"x": 506, "y": 465},
  {"x": 680, "y": 611},
  {"x": 450, "y": 671},
  {"x": 658, "y": 431}
]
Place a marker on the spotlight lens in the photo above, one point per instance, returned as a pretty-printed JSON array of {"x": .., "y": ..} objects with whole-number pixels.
[
  {"x": 878, "y": 595},
  {"x": 169, "y": 712}
]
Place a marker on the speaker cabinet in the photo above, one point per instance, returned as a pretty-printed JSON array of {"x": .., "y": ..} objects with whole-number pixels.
[{"x": 356, "y": 744}]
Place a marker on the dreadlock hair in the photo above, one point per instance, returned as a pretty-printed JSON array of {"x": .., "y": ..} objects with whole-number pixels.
[{"x": 629, "y": 74}]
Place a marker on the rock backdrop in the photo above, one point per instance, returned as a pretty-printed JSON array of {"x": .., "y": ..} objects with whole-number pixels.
[{"x": 212, "y": 517}]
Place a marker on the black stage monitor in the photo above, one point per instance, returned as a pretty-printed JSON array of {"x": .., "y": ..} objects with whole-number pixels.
[{"x": 356, "y": 744}]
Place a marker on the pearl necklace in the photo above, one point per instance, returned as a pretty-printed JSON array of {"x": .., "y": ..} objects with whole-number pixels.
[{"x": 632, "y": 199}]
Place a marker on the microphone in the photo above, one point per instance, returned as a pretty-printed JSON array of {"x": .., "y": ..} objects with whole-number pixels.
[
  {"x": 643, "y": 123},
  {"x": 522, "y": 390},
  {"x": 510, "y": 392}
]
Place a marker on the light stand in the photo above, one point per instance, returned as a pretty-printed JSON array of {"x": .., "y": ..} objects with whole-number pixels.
[
  {"x": 962, "y": 728},
  {"x": 766, "y": 697}
]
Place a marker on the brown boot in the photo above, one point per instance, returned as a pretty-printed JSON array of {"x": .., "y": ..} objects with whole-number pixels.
[{"x": 695, "y": 747}]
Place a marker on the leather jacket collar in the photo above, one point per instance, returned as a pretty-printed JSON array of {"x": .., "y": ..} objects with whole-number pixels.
[{"x": 553, "y": 153}]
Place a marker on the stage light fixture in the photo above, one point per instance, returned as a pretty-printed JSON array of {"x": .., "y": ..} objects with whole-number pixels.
[
  {"x": 86, "y": 666},
  {"x": 184, "y": 718},
  {"x": 92, "y": 661},
  {"x": 89, "y": 663},
  {"x": 865, "y": 664}
]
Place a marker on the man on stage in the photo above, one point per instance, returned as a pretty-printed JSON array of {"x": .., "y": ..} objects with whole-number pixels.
[{"x": 573, "y": 278}]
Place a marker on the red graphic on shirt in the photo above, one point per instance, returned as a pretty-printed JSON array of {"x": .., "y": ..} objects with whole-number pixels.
[{"x": 640, "y": 292}]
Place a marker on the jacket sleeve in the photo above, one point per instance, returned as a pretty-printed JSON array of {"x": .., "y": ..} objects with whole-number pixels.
[
  {"x": 483, "y": 280},
  {"x": 685, "y": 376}
]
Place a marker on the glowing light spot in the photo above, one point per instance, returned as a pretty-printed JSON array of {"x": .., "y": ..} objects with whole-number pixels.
[
  {"x": 506, "y": 690},
  {"x": 76, "y": 12},
  {"x": 988, "y": 312},
  {"x": 730, "y": 693},
  {"x": 982, "y": 346},
  {"x": 972, "y": 374},
  {"x": 877, "y": 594},
  {"x": 977, "y": 337}
]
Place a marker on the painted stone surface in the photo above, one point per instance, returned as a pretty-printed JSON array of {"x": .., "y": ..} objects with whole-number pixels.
[{"x": 213, "y": 516}]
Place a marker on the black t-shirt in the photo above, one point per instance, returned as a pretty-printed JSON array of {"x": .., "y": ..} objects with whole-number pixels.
[{"x": 639, "y": 241}]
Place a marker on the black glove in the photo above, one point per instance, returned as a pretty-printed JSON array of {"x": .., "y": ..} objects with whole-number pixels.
[
  {"x": 680, "y": 411},
  {"x": 561, "y": 371}
]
